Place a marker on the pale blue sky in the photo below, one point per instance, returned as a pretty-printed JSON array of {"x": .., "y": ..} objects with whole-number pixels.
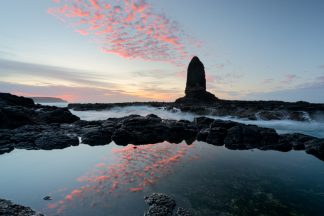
[{"x": 251, "y": 50}]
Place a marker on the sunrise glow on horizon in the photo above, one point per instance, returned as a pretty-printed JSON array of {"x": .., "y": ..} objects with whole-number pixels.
[{"x": 139, "y": 50}]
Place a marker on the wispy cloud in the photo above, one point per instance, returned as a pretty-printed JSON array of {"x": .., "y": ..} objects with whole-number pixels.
[
  {"x": 128, "y": 28},
  {"x": 267, "y": 81},
  {"x": 87, "y": 86},
  {"x": 288, "y": 79}
]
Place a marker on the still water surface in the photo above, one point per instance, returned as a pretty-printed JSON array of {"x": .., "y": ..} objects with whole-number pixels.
[{"x": 209, "y": 180}]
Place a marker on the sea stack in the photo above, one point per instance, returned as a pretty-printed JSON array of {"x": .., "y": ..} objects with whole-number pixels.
[{"x": 196, "y": 85}]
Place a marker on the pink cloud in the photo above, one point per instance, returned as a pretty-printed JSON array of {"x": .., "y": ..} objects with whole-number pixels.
[
  {"x": 210, "y": 78},
  {"x": 289, "y": 78},
  {"x": 130, "y": 29},
  {"x": 267, "y": 81},
  {"x": 95, "y": 4},
  {"x": 82, "y": 32}
]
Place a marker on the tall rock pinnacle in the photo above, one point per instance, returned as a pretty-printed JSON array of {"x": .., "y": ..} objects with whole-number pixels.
[
  {"x": 196, "y": 85},
  {"x": 196, "y": 81}
]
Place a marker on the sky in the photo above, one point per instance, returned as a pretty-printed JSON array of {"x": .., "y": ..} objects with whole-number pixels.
[{"x": 138, "y": 50}]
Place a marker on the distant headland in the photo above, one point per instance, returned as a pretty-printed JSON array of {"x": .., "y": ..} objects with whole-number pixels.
[{"x": 48, "y": 100}]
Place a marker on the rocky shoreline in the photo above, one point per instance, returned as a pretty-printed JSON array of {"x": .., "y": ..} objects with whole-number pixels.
[
  {"x": 42, "y": 127},
  {"x": 253, "y": 110}
]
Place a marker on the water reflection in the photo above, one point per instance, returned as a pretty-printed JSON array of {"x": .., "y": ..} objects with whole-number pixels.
[
  {"x": 207, "y": 179},
  {"x": 136, "y": 169}
]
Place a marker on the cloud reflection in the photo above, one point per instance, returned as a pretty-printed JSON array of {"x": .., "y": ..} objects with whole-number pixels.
[{"x": 136, "y": 169}]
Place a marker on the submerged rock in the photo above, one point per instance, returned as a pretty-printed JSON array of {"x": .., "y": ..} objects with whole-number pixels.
[
  {"x": 7, "y": 208},
  {"x": 163, "y": 205}
]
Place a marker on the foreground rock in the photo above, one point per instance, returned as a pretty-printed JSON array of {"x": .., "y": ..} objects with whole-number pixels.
[
  {"x": 163, "y": 205},
  {"x": 7, "y": 208},
  {"x": 150, "y": 129},
  {"x": 26, "y": 125},
  {"x": 19, "y": 111}
]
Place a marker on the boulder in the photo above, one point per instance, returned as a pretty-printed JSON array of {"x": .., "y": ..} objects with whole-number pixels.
[
  {"x": 57, "y": 115},
  {"x": 54, "y": 140},
  {"x": 97, "y": 137}
]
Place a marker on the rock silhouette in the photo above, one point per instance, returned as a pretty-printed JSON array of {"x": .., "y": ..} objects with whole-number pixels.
[
  {"x": 196, "y": 81},
  {"x": 196, "y": 84}
]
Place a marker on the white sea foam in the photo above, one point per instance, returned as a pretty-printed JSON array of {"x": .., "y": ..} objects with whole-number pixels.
[{"x": 314, "y": 128}]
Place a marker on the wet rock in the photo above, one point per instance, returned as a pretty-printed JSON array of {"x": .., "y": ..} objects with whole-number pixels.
[
  {"x": 183, "y": 212},
  {"x": 143, "y": 130},
  {"x": 299, "y": 116},
  {"x": 315, "y": 147},
  {"x": 216, "y": 136},
  {"x": 57, "y": 115},
  {"x": 203, "y": 134},
  {"x": 7, "y": 99},
  {"x": 296, "y": 140},
  {"x": 158, "y": 210},
  {"x": 97, "y": 137},
  {"x": 181, "y": 130},
  {"x": 13, "y": 117},
  {"x": 160, "y": 205},
  {"x": 7, "y": 208},
  {"x": 224, "y": 124},
  {"x": 53, "y": 140},
  {"x": 271, "y": 115},
  {"x": 203, "y": 122},
  {"x": 121, "y": 137},
  {"x": 47, "y": 198},
  {"x": 249, "y": 137}
]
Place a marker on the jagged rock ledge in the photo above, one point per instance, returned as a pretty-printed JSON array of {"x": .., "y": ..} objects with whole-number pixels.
[{"x": 7, "y": 208}]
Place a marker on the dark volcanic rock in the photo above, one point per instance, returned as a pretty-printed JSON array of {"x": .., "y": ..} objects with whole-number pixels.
[
  {"x": 163, "y": 205},
  {"x": 7, "y": 208},
  {"x": 52, "y": 140},
  {"x": 7, "y": 99},
  {"x": 141, "y": 130},
  {"x": 315, "y": 147},
  {"x": 97, "y": 137},
  {"x": 18, "y": 111},
  {"x": 57, "y": 115},
  {"x": 296, "y": 140},
  {"x": 196, "y": 85},
  {"x": 249, "y": 137},
  {"x": 160, "y": 205},
  {"x": 13, "y": 117},
  {"x": 196, "y": 81},
  {"x": 183, "y": 212},
  {"x": 181, "y": 130}
]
